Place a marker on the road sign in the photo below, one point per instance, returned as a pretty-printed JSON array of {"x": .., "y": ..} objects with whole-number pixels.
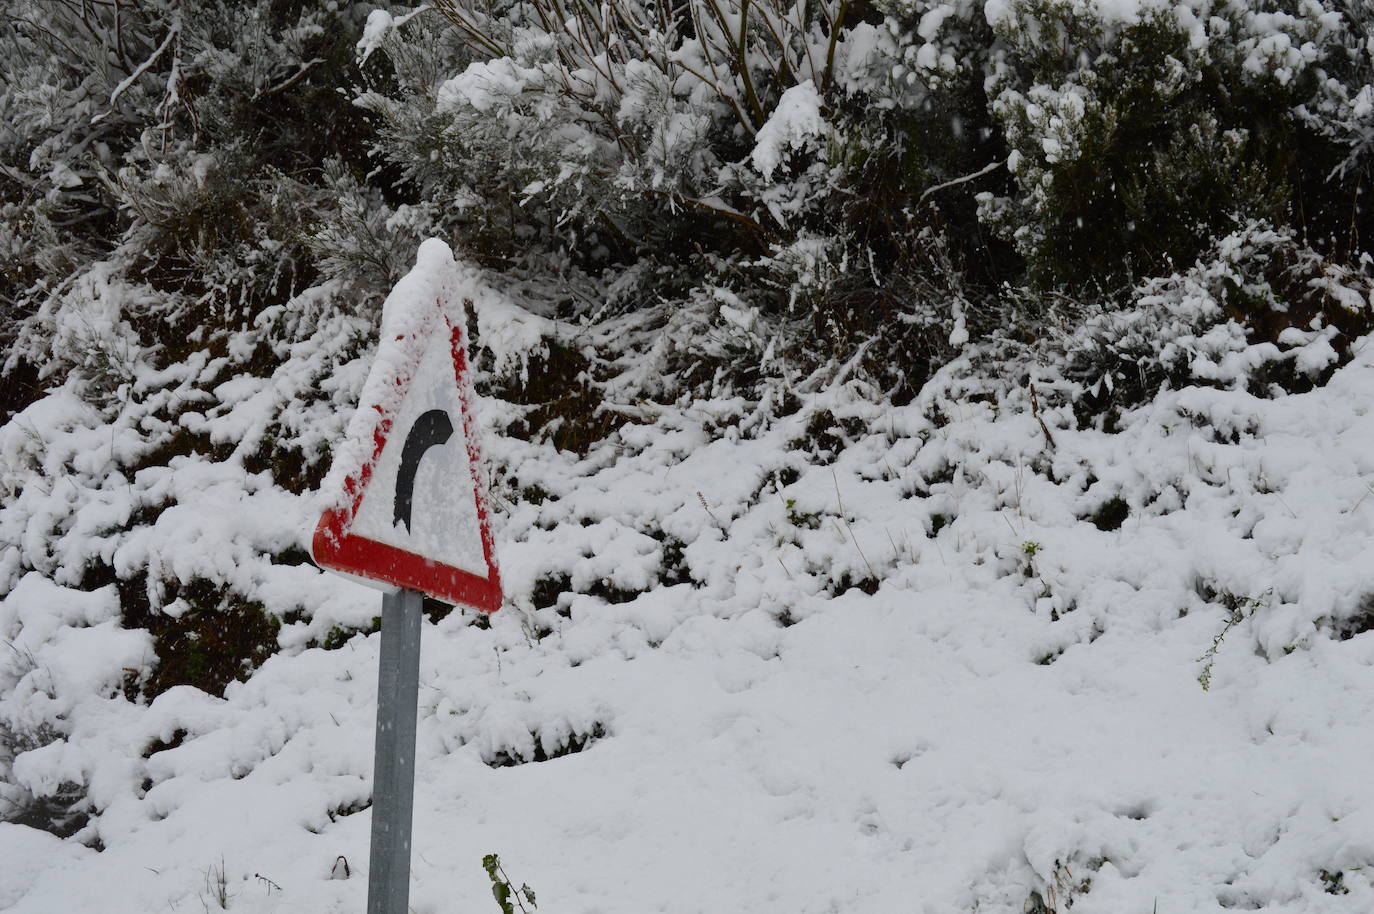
[
  {"x": 406, "y": 506},
  {"x": 414, "y": 511}
]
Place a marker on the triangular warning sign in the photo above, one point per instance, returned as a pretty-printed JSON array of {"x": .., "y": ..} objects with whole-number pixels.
[{"x": 411, "y": 508}]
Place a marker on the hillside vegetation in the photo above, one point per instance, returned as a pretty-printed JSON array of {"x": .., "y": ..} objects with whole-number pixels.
[{"x": 930, "y": 447}]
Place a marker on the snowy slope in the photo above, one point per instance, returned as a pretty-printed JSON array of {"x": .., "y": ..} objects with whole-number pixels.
[{"x": 864, "y": 658}]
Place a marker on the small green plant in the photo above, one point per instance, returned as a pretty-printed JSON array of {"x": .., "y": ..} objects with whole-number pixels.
[
  {"x": 504, "y": 892},
  {"x": 1029, "y": 550},
  {"x": 337, "y": 637},
  {"x": 810, "y": 520},
  {"x": 340, "y": 635},
  {"x": 1333, "y": 883}
]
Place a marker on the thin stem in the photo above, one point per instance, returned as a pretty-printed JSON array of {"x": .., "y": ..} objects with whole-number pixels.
[{"x": 834, "y": 40}]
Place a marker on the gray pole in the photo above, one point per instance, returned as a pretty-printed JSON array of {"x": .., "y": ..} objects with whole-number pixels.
[{"x": 393, "y": 779}]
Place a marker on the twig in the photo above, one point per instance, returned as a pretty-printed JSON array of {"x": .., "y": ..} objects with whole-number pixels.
[
  {"x": 840, "y": 504},
  {"x": 514, "y": 893},
  {"x": 702, "y": 498},
  {"x": 987, "y": 169},
  {"x": 835, "y": 25},
  {"x": 1003, "y": 514},
  {"x": 142, "y": 68},
  {"x": 1035, "y": 411},
  {"x": 715, "y": 206},
  {"x": 896, "y": 553},
  {"x": 289, "y": 81}
]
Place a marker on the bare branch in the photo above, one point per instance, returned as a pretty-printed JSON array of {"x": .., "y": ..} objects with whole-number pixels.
[
  {"x": 987, "y": 169},
  {"x": 142, "y": 68},
  {"x": 290, "y": 81}
]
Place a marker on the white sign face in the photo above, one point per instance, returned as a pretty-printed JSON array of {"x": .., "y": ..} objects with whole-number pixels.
[
  {"x": 404, "y": 504},
  {"x": 420, "y": 497}
]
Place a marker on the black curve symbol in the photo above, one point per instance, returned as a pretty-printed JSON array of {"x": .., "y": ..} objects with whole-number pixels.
[{"x": 431, "y": 429}]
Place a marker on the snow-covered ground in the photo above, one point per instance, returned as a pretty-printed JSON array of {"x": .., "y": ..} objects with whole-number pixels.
[{"x": 865, "y": 658}]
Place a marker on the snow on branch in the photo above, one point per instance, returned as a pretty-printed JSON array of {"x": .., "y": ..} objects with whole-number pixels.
[
  {"x": 138, "y": 72},
  {"x": 987, "y": 169}
]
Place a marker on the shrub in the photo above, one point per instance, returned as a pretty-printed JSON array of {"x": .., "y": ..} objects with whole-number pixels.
[
  {"x": 758, "y": 196},
  {"x": 1135, "y": 141}
]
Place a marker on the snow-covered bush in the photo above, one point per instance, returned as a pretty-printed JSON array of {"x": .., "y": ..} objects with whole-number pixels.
[
  {"x": 1260, "y": 311},
  {"x": 782, "y": 194},
  {"x": 171, "y": 170},
  {"x": 1138, "y": 132},
  {"x": 756, "y": 172}
]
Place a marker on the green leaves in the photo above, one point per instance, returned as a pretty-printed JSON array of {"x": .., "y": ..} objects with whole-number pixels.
[{"x": 502, "y": 889}]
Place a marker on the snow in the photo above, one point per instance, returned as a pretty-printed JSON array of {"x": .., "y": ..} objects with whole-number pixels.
[
  {"x": 1016, "y": 710},
  {"x": 379, "y": 23},
  {"x": 1109, "y": 12},
  {"x": 27, "y": 855},
  {"x": 486, "y": 86},
  {"x": 795, "y": 122}
]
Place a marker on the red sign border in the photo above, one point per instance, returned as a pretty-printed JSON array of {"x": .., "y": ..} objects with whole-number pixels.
[{"x": 335, "y": 547}]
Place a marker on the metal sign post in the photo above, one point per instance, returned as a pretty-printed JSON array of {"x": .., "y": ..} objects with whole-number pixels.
[{"x": 393, "y": 779}]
